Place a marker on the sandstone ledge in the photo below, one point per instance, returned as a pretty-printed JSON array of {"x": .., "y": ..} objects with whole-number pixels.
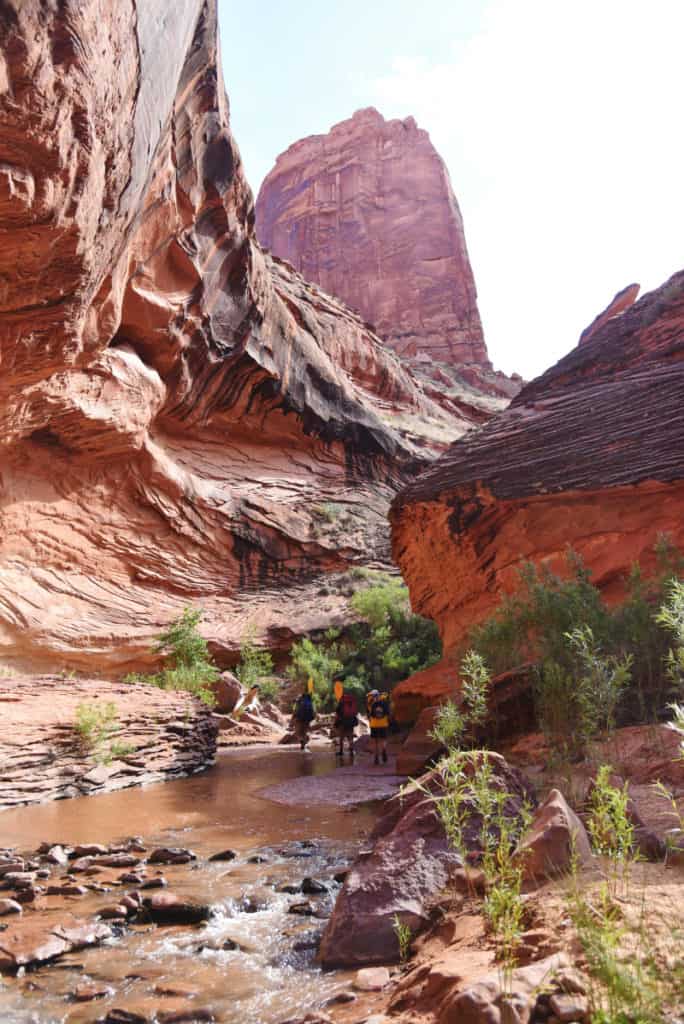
[{"x": 42, "y": 758}]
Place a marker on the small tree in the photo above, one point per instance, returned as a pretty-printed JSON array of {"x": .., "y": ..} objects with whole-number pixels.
[
  {"x": 452, "y": 722},
  {"x": 256, "y": 667},
  {"x": 671, "y": 617},
  {"x": 192, "y": 668}
]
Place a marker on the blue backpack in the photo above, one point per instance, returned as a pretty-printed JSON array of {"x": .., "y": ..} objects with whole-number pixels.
[{"x": 304, "y": 710}]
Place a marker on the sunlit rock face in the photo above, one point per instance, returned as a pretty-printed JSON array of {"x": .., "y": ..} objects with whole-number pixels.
[
  {"x": 184, "y": 419},
  {"x": 368, "y": 212},
  {"x": 591, "y": 454}
]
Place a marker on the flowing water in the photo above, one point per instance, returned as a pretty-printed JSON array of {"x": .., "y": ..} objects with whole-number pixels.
[{"x": 271, "y": 973}]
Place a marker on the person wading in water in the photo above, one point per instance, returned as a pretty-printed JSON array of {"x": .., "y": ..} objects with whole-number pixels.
[
  {"x": 346, "y": 720},
  {"x": 378, "y": 713},
  {"x": 302, "y": 718}
]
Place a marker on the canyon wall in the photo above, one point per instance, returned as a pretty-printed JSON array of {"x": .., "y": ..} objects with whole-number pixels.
[
  {"x": 368, "y": 212},
  {"x": 184, "y": 419},
  {"x": 591, "y": 454}
]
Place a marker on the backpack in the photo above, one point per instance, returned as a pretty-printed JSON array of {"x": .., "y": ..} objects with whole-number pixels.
[
  {"x": 347, "y": 710},
  {"x": 380, "y": 707},
  {"x": 304, "y": 710}
]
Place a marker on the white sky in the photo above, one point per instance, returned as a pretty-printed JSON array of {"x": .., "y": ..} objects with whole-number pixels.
[{"x": 560, "y": 122}]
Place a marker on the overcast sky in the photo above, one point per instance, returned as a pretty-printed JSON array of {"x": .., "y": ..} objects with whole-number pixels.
[{"x": 560, "y": 122}]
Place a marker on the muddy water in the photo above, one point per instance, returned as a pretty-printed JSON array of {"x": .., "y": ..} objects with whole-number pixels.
[{"x": 271, "y": 974}]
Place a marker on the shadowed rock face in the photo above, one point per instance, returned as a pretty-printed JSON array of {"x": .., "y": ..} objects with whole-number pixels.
[
  {"x": 367, "y": 211},
  {"x": 590, "y": 454},
  {"x": 183, "y": 418}
]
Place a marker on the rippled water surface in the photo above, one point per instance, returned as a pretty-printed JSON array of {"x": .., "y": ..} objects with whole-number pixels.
[{"x": 271, "y": 974}]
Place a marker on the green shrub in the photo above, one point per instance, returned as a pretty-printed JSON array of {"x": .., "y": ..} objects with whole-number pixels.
[
  {"x": 256, "y": 668},
  {"x": 453, "y": 722},
  {"x": 403, "y": 934},
  {"x": 97, "y": 726},
  {"x": 192, "y": 668},
  {"x": 321, "y": 662},
  {"x": 388, "y": 645},
  {"x": 588, "y": 658},
  {"x": 479, "y": 814},
  {"x": 450, "y": 726},
  {"x": 671, "y": 618}
]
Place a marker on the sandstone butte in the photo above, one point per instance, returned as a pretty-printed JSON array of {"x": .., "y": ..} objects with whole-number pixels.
[
  {"x": 184, "y": 418},
  {"x": 591, "y": 454},
  {"x": 368, "y": 213}
]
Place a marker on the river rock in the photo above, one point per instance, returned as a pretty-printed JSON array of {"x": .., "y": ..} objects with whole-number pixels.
[
  {"x": 56, "y": 855},
  {"x": 371, "y": 979},
  {"x": 484, "y": 1002},
  {"x": 555, "y": 838},
  {"x": 569, "y": 1008},
  {"x": 116, "y": 912},
  {"x": 228, "y": 691},
  {"x": 312, "y": 887},
  {"x": 88, "y": 850},
  {"x": 223, "y": 855},
  {"x": 116, "y": 860},
  {"x": 132, "y": 878},
  {"x": 67, "y": 889},
  {"x": 311, "y": 1018},
  {"x": 301, "y": 909},
  {"x": 120, "y": 1016},
  {"x": 171, "y": 855},
  {"x": 19, "y": 879},
  {"x": 9, "y": 907},
  {"x": 187, "y": 1015},
  {"x": 168, "y": 908},
  {"x": 89, "y": 993},
  {"x": 159, "y": 882},
  {"x": 33, "y": 941},
  {"x": 11, "y": 867}
]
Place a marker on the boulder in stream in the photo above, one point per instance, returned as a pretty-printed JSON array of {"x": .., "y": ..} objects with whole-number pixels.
[
  {"x": 168, "y": 908},
  {"x": 405, "y": 870},
  {"x": 171, "y": 855}
]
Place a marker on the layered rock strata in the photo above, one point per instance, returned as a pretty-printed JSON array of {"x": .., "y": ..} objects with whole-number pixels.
[
  {"x": 184, "y": 419},
  {"x": 591, "y": 454},
  {"x": 368, "y": 212},
  {"x": 156, "y": 735}
]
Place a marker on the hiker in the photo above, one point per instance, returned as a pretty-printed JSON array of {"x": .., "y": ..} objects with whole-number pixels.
[
  {"x": 302, "y": 718},
  {"x": 346, "y": 720},
  {"x": 378, "y": 714}
]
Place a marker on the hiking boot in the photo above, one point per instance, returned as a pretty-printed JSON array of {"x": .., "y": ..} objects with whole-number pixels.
[{"x": 384, "y": 757}]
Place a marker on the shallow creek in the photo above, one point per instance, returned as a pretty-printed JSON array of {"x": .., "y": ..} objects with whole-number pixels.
[{"x": 272, "y": 974}]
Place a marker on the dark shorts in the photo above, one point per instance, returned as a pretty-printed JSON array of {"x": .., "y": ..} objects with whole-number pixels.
[{"x": 379, "y": 732}]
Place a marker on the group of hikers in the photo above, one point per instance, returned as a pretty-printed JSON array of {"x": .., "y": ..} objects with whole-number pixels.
[{"x": 346, "y": 721}]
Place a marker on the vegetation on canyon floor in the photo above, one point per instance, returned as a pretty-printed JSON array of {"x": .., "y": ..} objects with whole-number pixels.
[
  {"x": 589, "y": 675},
  {"x": 97, "y": 726},
  {"x": 388, "y": 644},
  {"x": 632, "y": 980},
  {"x": 593, "y": 667},
  {"x": 191, "y": 667}
]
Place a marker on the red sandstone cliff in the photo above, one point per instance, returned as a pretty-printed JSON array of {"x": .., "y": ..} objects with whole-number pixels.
[
  {"x": 590, "y": 454},
  {"x": 184, "y": 419},
  {"x": 367, "y": 211}
]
